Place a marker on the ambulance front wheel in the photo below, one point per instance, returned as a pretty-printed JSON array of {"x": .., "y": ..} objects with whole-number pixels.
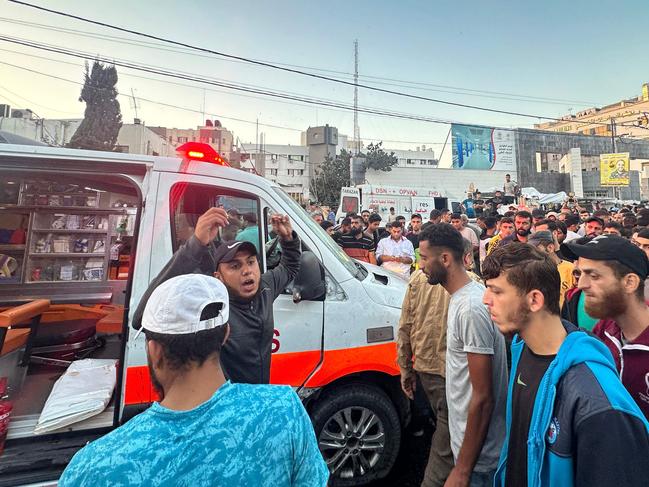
[{"x": 358, "y": 432}]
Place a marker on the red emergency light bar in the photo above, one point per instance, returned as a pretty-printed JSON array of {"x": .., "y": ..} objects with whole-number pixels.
[{"x": 198, "y": 151}]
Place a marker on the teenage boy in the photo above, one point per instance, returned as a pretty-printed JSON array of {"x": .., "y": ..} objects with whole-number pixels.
[{"x": 569, "y": 419}]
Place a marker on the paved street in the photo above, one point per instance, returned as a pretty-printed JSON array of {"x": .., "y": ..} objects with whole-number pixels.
[{"x": 411, "y": 462}]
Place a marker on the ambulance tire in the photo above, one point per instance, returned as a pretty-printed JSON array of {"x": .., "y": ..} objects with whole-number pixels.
[{"x": 360, "y": 397}]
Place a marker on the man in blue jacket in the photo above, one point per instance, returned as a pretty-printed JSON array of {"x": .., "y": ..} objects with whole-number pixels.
[{"x": 570, "y": 421}]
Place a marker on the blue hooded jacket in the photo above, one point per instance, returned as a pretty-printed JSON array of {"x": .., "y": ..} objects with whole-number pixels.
[{"x": 585, "y": 428}]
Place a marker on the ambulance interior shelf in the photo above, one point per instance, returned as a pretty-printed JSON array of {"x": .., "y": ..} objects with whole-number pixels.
[
  {"x": 62, "y": 232},
  {"x": 67, "y": 239}
]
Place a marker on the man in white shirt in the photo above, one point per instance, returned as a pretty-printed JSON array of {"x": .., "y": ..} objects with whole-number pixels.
[
  {"x": 392, "y": 216},
  {"x": 572, "y": 224},
  {"x": 456, "y": 221},
  {"x": 476, "y": 362},
  {"x": 396, "y": 252},
  {"x": 509, "y": 187}
]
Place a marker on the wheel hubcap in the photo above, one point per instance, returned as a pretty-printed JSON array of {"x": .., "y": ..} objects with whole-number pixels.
[{"x": 352, "y": 442}]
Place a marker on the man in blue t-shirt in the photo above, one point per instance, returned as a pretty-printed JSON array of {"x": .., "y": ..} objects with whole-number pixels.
[
  {"x": 468, "y": 205},
  {"x": 205, "y": 431}
]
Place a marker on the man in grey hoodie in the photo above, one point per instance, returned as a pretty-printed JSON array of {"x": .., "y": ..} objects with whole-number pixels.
[{"x": 246, "y": 355}]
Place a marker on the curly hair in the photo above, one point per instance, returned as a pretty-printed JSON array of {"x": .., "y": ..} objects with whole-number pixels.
[
  {"x": 445, "y": 236},
  {"x": 526, "y": 269}
]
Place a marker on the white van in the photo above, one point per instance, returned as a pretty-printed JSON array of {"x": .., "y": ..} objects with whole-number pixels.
[
  {"x": 83, "y": 233},
  {"x": 405, "y": 200}
]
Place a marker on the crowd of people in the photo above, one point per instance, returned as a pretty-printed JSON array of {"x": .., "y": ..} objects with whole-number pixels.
[
  {"x": 394, "y": 246},
  {"x": 535, "y": 360},
  {"x": 526, "y": 332}
]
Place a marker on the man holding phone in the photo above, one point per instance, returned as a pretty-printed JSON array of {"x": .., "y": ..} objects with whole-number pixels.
[{"x": 245, "y": 357}]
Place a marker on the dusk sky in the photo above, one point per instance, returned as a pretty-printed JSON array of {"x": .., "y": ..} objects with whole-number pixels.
[{"x": 573, "y": 54}]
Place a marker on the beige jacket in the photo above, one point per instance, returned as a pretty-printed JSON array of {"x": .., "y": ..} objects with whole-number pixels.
[{"x": 422, "y": 327}]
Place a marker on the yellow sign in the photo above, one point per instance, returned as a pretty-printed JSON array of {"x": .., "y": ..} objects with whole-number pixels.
[{"x": 614, "y": 169}]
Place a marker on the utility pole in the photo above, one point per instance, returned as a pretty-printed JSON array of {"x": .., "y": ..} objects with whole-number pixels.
[
  {"x": 257, "y": 146},
  {"x": 616, "y": 190},
  {"x": 134, "y": 102},
  {"x": 357, "y": 131},
  {"x": 203, "y": 110}
]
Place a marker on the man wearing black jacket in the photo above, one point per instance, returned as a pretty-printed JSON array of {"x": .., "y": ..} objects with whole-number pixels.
[{"x": 245, "y": 357}]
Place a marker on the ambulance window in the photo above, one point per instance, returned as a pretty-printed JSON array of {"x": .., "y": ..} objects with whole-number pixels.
[
  {"x": 349, "y": 204},
  {"x": 273, "y": 248},
  {"x": 190, "y": 201}
]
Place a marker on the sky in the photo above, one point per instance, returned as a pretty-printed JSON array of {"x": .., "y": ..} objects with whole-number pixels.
[{"x": 573, "y": 55}]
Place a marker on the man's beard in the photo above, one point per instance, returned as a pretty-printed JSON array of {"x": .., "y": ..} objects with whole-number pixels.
[
  {"x": 155, "y": 382},
  {"x": 611, "y": 306},
  {"x": 356, "y": 231},
  {"x": 438, "y": 275},
  {"x": 520, "y": 317},
  {"x": 522, "y": 232}
]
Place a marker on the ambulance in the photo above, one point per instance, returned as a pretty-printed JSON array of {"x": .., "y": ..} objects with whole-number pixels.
[
  {"x": 406, "y": 201},
  {"x": 82, "y": 234}
]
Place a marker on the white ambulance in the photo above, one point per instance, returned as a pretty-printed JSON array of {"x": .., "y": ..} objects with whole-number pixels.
[
  {"x": 406, "y": 201},
  {"x": 83, "y": 233}
]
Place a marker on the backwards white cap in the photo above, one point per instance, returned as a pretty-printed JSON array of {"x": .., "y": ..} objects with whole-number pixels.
[{"x": 175, "y": 307}]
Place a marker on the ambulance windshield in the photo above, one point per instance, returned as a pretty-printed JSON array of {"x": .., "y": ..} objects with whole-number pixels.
[{"x": 357, "y": 271}]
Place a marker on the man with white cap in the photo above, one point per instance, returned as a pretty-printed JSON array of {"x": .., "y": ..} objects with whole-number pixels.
[
  {"x": 205, "y": 430},
  {"x": 246, "y": 356}
]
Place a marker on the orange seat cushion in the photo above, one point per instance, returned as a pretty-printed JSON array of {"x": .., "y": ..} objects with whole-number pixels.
[
  {"x": 14, "y": 340},
  {"x": 112, "y": 322},
  {"x": 24, "y": 312}
]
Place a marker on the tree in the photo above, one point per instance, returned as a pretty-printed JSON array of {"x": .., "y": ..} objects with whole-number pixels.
[
  {"x": 376, "y": 158},
  {"x": 329, "y": 178},
  {"x": 102, "y": 118}
]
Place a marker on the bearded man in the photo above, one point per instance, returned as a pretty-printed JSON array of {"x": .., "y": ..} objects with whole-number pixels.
[
  {"x": 613, "y": 273},
  {"x": 476, "y": 361},
  {"x": 569, "y": 419}
]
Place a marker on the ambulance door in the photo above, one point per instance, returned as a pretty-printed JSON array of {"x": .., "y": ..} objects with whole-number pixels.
[
  {"x": 172, "y": 210},
  {"x": 298, "y": 335}
]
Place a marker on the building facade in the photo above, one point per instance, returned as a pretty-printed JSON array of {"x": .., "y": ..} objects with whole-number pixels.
[
  {"x": 212, "y": 133},
  {"x": 139, "y": 139},
  {"x": 421, "y": 157},
  {"x": 547, "y": 161},
  {"x": 287, "y": 165},
  {"x": 631, "y": 118},
  {"x": 23, "y": 122}
]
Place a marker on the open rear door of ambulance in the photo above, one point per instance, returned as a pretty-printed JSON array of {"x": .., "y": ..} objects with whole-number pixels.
[{"x": 69, "y": 231}]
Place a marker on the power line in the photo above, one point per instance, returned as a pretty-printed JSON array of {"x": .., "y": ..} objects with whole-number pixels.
[
  {"x": 277, "y": 67},
  {"x": 148, "y": 100},
  {"x": 176, "y": 83},
  {"x": 381, "y": 80},
  {"x": 282, "y": 127},
  {"x": 34, "y": 103},
  {"x": 186, "y": 76},
  {"x": 300, "y": 98},
  {"x": 232, "y": 86},
  {"x": 215, "y": 115},
  {"x": 39, "y": 118}
]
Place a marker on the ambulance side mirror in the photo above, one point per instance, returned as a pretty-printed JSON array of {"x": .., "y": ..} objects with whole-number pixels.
[{"x": 309, "y": 284}]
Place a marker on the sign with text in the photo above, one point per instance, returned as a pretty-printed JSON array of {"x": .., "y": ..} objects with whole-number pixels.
[
  {"x": 483, "y": 148},
  {"x": 402, "y": 191},
  {"x": 614, "y": 169},
  {"x": 423, "y": 206},
  {"x": 381, "y": 205}
]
